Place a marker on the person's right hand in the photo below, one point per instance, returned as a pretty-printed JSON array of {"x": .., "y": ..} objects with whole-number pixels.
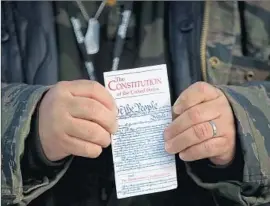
[{"x": 76, "y": 118}]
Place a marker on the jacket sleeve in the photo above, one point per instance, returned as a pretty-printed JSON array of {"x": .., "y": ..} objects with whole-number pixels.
[
  {"x": 251, "y": 107},
  {"x": 19, "y": 102}
]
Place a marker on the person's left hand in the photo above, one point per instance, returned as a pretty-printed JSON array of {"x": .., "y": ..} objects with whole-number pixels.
[{"x": 191, "y": 133}]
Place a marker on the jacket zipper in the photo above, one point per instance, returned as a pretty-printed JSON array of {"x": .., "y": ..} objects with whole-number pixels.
[{"x": 204, "y": 39}]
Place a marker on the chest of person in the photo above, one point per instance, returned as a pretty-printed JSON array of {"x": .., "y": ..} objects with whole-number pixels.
[{"x": 232, "y": 48}]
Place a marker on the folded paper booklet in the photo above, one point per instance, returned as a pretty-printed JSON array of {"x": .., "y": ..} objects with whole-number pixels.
[{"x": 141, "y": 164}]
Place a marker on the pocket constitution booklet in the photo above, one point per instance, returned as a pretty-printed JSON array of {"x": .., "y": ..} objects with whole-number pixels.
[{"x": 141, "y": 164}]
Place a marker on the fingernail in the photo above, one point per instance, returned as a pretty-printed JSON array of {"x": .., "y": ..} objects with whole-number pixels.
[
  {"x": 116, "y": 110},
  {"x": 115, "y": 128},
  {"x": 176, "y": 102},
  {"x": 166, "y": 134},
  {"x": 177, "y": 109},
  {"x": 182, "y": 156},
  {"x": 167, "y": 146}
]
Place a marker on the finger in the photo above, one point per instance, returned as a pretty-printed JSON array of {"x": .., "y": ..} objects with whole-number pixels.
[
  {"x": 194, "y": 135},
  {"x": 93, "y": 90},
  {"x": 198, "y": 114},
  {"x": 195, "y": 94},
  {"x": 79, "y": 147},
  {"x": 88, "y": 131},
  {"x": 92, "y": 110},
  {"x": 207, "y": 149}
]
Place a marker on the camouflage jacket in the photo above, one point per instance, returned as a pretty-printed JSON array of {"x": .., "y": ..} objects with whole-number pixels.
[{"x": 234, "y": 55}]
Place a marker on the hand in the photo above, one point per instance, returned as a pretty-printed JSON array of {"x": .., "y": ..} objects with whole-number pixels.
[
  {"x": 191, "y": 134},
  {"x": 76, "y": 118}
]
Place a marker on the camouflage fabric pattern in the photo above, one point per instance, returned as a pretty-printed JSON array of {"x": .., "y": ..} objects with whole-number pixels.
[
  {"x": 18, "y": 102},
  {"x": 253, "y": 119},
  {"x": 228, "y": 64},
  {"x": 250, "y": 105},
  {"x": 231, "y": 63},
  {"x": 229, "y": 60}
]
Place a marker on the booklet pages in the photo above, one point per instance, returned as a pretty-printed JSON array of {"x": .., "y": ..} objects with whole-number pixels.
[{"x": 141, "y": 164}]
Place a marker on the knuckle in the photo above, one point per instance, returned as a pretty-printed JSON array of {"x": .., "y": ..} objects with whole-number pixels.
[
  {"x": 60, "y": 91},
  {"x": 99, "y": 136},
  {"x": 201, "y": 86},
  {"x": 222, "y": 101},
  {"x": 63, "y": 85},
  {"x": 92, "y": 109},
  {"x": 202, "y": 131},
  {"x": 93, "y": 132},
  {"x": 194, "y": 114},
  {"x": 93, "y": 85},
  {"x": 220, "y": 92}
]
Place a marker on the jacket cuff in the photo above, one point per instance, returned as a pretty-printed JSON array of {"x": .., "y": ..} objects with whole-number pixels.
[
  {"x": 250, "y": 123},
  {"x": 211, "y": 173}
]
